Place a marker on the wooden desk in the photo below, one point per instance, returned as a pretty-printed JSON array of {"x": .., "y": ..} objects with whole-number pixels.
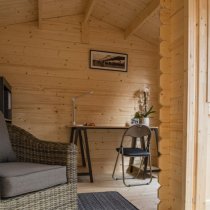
[{"x": 80, "y": 132}]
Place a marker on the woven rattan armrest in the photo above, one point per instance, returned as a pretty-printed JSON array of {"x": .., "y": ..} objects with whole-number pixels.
[{"x": 28, "y": 148}]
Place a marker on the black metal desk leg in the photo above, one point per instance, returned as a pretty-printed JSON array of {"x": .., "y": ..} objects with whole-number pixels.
[
  {"x": 88, "y": 155},
  {"x": 82, "y": 148},
  {"x": 157, "y": 140},
  {"x": 72, "y": 135},
  {"x": 145, "y": 166}
]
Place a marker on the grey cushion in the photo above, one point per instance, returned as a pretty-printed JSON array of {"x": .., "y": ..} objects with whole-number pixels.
[
  {"x": 18, "y": 178},
  {"x": 6, "y": 152}
]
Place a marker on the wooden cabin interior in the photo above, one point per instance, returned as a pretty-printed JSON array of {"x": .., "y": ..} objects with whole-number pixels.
[{"x": 45, "y": 55}]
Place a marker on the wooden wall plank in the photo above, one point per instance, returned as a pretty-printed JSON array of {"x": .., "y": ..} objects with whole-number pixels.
[
  {"x": 47, "y": 67},
  {"x": 172, "y": 97},
  {"x": 141, "y": 18}
]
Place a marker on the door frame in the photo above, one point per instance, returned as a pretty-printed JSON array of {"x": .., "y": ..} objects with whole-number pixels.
[{"x": 196, "y": 65}]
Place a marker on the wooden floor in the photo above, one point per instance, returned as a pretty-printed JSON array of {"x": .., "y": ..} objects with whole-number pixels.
[{"x": 143, "y": 197}]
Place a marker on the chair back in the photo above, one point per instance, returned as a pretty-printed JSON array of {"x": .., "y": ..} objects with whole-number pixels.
[{"x": 141, "y": 132}]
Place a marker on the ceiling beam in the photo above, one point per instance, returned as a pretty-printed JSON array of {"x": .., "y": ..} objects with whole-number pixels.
[
  {"x": 85, "y": 25},
  {"x": 89, "y": 10},
  {"x": 141, "y": 18}
]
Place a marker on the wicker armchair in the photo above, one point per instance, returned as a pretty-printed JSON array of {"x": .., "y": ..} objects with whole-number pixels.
[{"x": 30, "y": 149}]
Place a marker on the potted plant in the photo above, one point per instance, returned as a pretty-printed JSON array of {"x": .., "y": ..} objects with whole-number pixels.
[
  {"x": 144, "y": 112},
  {"x": 144, "y": 117}
]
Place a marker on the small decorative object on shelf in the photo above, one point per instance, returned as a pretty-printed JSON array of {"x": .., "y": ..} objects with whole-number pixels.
[
  {"x": 127, "y": 124},
  {"x": 134, "y": 121},
  {"x": 6, "y": 99},
  {"x": 89, "y": 124},
  {"x": 144, "y": 111}
]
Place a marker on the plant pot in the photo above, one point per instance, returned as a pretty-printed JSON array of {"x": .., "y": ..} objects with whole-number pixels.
[{"x": 145, "y": 121}]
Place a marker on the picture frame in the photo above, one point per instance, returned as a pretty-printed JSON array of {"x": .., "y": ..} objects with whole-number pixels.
[{"x": 112, "y": 61}]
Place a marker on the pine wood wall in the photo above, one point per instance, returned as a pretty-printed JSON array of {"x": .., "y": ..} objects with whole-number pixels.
[
  {"x": 47, "y": 67},
  {"x": 177, "y": 105},
  {"x": 165, "y": 77},
  {"x": 171, "y": 100}
]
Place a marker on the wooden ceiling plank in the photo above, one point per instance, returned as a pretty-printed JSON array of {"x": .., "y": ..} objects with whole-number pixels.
[
  {"x": 85, "y": 33},
  {"x": 40, "y": 4},
  {"x": 141, "y": 18},
  {"x": 89, "y": 10}
]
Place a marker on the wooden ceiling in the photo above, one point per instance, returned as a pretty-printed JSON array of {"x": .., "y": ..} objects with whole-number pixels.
[{"x": 139, "y": 17}]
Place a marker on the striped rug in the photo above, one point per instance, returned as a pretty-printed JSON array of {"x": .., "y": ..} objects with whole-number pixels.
[{"x": 104, "y": 201}]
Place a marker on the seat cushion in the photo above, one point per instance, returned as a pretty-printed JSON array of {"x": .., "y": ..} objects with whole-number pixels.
[
  {"x": 18, "y": 178},
  {"x": 133, "y": 152},
  {"x": 6, "y": 152}
]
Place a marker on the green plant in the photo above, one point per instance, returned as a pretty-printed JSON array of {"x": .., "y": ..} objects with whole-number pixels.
[{"x": 144, "y": 114}]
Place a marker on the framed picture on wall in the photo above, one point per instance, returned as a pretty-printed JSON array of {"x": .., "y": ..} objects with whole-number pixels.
[{"x": 108, "y": 61}]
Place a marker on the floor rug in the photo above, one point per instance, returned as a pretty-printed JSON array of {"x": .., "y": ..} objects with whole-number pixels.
[{"x": 104, "y": 201}]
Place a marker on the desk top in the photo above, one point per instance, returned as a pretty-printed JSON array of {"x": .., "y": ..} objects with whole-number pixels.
[{"x": 104, "y": 127}]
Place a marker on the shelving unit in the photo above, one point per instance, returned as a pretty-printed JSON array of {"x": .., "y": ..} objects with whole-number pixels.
[{"x": 6, "y": 99}]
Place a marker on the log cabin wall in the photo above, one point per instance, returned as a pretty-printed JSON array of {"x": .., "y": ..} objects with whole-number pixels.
[
  {"x": 47, "y": 67},
  {"x": 177, "y": 114},
  {"x": 172, "y": 105},
  {"x": 165, "y": 79}
]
